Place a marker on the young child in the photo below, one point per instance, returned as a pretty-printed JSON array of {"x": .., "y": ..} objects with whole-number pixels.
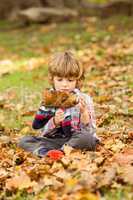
[{"x": 73, "y": 126}]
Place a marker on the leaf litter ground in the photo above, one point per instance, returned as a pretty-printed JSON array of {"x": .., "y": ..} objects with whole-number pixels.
[{"x": 106, "y": 53}]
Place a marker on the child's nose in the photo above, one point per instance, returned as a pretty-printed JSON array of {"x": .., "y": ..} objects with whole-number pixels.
[{"x": 65, "y": 83}]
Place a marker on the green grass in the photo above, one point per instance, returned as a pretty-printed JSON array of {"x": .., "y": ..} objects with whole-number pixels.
[
  {"x": 27, "y": 87},
  {"x": 33, "y": 40},
  {"x": 36, "y": 40},
  {"x": 118, "y": 194},
  {"x": 26, "y": 79},
  {"x": 98, "y": 1}
]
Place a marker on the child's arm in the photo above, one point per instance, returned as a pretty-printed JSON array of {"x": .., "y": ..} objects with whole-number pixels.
[
  {"x": 87, "y": 112},
  {"x": 41, "y": 118},
  {"x": 54, "y": 122}
]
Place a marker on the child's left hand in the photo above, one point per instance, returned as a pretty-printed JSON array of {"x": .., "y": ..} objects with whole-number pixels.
[
  {"x": 82, "y": 105},
  {"x": 85, "y": 116}
]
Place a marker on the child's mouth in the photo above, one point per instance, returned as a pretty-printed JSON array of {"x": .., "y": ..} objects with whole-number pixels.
[{"x": 65, "y": 90}]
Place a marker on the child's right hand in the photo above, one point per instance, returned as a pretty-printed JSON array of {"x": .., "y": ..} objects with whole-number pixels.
[{"x": 59, "y": 117}]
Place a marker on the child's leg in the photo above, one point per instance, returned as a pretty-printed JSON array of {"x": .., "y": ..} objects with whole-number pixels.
[
  {"x": 41, "y": 145},
  {"x": 29, "y": 143},
  {"x": 83, "y": 140}
]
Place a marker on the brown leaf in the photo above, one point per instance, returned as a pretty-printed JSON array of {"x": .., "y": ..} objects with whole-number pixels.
[
  {"x": 127, "y": 174},
  {"x": 87, "y": 179},
  {"x": 130, "y": 134},
  {"x": 5, "y": 139},
  {"x": 19, "y": 181},
  {"x": 124, "y": 158},
  {"x": 3, "y": 174},
  {"x": 108, "y": 176},
  {"x": 28, "y": 113},
  {"x": 59, "y": 99}
]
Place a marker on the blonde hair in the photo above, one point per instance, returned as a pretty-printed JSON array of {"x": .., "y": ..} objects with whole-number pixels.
[{"x": 64, "y": 64}]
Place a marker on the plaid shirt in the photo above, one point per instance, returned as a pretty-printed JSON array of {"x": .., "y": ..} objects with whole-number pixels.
[{"x": 44, "y": 118}]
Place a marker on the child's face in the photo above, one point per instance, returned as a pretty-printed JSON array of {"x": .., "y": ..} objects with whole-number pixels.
[{"x": 64, "y": 84}]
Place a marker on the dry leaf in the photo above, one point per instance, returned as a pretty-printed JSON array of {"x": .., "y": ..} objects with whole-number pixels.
[
  {"x": 127, "y": 174},
  {"x": 125, "y": 158},
  {"x": 25, "y": 130},
  {"x": 67, "y": 150},
  {"x": 19, "y": 181},
  {"x": 59, "y": 99},
  {"x": 108, "y": 176}
]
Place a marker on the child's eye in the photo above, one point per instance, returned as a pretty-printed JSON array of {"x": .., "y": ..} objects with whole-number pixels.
[
  {"x": 59, "y": 79},
  {"x": 70, "y": 80}
]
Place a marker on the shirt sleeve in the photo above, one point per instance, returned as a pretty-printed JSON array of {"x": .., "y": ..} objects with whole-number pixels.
[
  {"x": 42, "y": 116},
  {"x": 50, "y": 125}
]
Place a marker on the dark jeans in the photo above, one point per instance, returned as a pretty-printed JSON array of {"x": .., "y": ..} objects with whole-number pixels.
[{"x": 82, "y": 139}]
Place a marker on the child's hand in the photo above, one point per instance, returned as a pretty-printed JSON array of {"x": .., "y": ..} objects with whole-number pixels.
[
  {"x": 82, "y": 105},
  {"x": 59, "y": 117},
  {"x": 85, "y": 116}
]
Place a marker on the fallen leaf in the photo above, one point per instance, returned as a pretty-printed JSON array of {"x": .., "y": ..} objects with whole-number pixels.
[
  {"x": 5, "y": 139},
  {"x": 67, "y": 150},
  {"x": 108, "y": 176},
  {"x": 124, "y": 158},
  {"x": 25, "y": 130},
  {"x": 6, "y": 67},
  {"x": 127, "y": 174},
  {"x": 19, "y": 181}
]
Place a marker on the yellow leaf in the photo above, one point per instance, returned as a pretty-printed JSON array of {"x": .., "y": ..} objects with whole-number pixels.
[
  {"x": 117, "y": 146},
  {"x": 67, "y": 150},
  {"x": 70, "y": 183},
  {"x": 25, "y": 130},
  {"x": 86, "y": 196},
  {"x": 111, "y": 28}
]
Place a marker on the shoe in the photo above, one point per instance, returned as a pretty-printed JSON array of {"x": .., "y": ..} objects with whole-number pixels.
[{"x": 55, "y": 154}]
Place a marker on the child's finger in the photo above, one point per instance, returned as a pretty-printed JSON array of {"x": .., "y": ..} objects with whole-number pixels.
[
  {"x": 61, "y": 119},
  {"x": 60, "y": 115},
  {"x": 82, "y": 102},
  {"x": 59, "y": 111}
]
